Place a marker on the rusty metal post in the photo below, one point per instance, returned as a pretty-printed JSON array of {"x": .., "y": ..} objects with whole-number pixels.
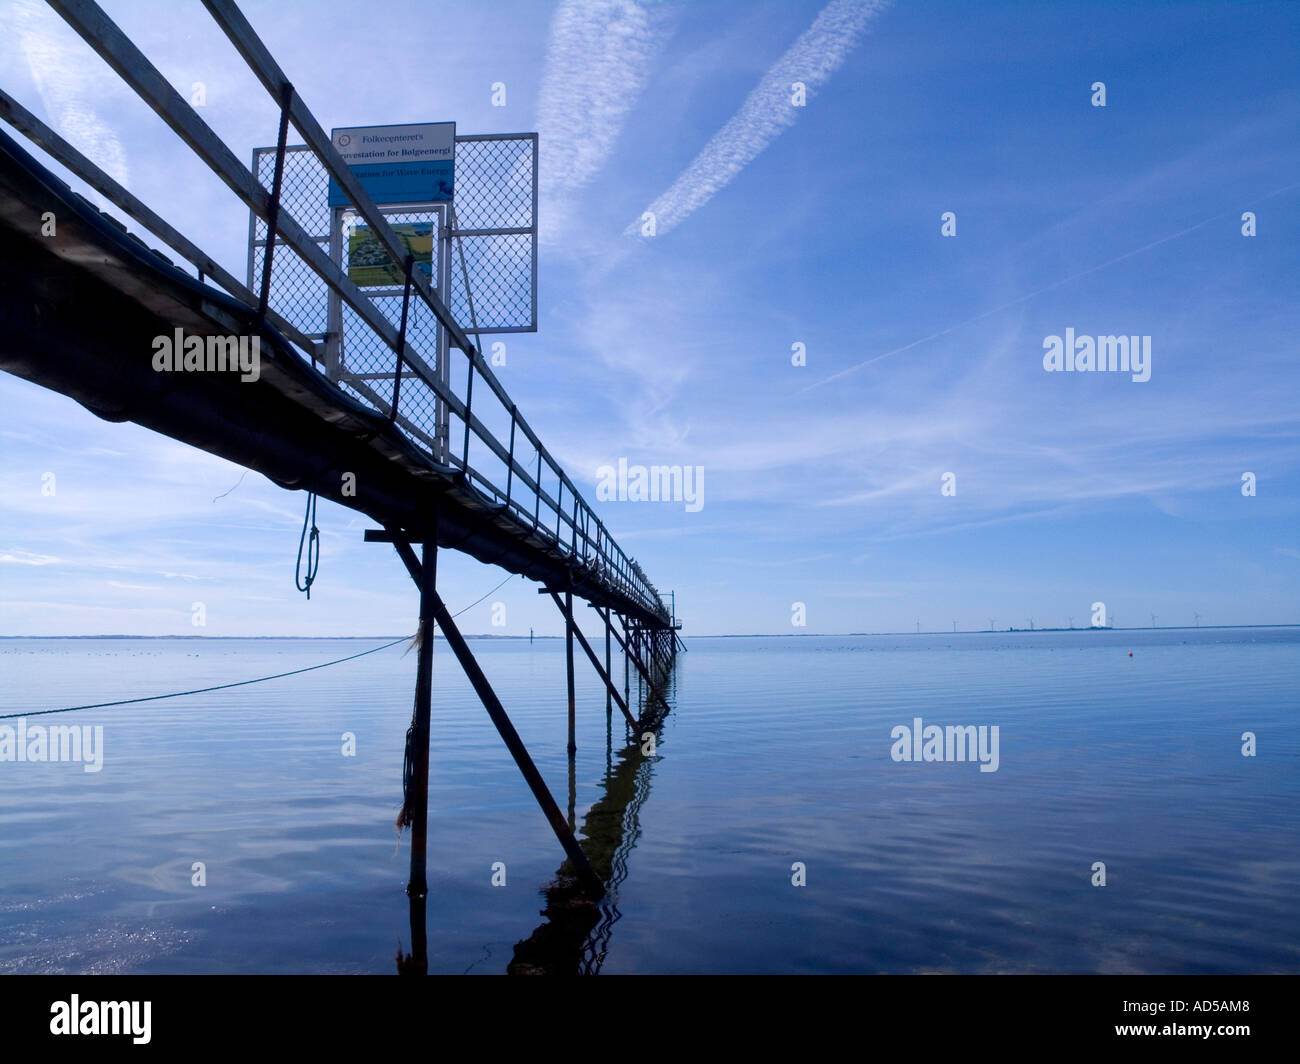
[
  {"x": 568, "y": 653},
  {"x": 573, "y": 792},
  {"x": 418, "y": 800},
  {"x": 609, "y": 694},
  {"x": 627, "y": 671}
]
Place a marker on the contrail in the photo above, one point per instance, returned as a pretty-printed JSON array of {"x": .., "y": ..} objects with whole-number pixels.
[
  {"x": 1037, "y": 292},
  {"x": 767, "y": 110},
  {"x": 597, "y": 64}
]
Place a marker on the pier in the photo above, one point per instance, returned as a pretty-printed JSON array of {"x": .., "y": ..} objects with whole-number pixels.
[{"x": 380, "y": 400}]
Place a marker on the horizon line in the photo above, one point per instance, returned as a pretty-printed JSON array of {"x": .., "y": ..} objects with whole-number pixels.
[{"x": 716, "y": 635}]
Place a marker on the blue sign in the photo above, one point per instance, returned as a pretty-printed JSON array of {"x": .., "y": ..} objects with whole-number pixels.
[{"x": 398, "y": 164}]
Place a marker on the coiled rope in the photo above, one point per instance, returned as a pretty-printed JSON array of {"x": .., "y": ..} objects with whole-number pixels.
[{"x": 303, "y": 582}]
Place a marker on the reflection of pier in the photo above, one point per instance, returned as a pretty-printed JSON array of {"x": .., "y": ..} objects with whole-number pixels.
[{"x": 575, "y": 937}]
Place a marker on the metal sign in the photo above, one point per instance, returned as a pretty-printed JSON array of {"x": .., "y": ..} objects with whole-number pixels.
[{"x": 398, "y": 164}]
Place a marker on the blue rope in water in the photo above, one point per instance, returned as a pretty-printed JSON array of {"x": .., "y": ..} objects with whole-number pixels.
[
  {"x": 203, "y": 690},
  {"x": 240, "y": 683}
]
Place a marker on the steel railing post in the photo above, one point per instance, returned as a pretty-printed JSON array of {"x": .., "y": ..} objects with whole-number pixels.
[{"x": 273, "y": 213}]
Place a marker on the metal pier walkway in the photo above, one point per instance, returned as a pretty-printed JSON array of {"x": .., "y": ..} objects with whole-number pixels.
[{"x": 425, "y": 441}]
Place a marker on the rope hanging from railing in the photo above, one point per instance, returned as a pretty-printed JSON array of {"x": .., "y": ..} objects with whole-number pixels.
[{"x": 303, "y": 581}]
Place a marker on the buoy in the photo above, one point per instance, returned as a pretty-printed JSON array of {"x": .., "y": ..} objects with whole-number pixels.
[{"x": 1130, "y": 653}]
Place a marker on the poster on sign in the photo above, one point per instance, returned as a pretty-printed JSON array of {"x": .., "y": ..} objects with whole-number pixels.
[{"x": 369, "y": 264}]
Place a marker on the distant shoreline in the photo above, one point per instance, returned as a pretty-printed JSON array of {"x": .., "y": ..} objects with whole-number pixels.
[{"x": 735, "y": 635}]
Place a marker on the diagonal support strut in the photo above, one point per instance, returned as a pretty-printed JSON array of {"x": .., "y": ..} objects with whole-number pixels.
[
  {"x": 567, "y": 610},
  {"x": 506, "y": 729},
  {"x": 631, "y": 655}
]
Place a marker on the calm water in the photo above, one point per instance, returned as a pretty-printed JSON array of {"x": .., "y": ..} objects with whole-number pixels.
[{"x": 778, "y": 751}]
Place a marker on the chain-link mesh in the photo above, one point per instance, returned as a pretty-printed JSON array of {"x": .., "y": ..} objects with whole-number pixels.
[
  {"x": 297, "y": 293},
  {"x": 304, "y": 189},
  {"x": 495, "y": 197},
  {"x": 494, "y": 246},
  {"x": 366, "y": 361},
  {"x": 495, "y": 185}
]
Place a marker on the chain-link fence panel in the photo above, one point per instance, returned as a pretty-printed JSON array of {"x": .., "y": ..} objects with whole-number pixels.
[
  {"x": 495, "y": 225},
  {"x": 496, "y": 219},
  {"x": 490, "y": 287}
]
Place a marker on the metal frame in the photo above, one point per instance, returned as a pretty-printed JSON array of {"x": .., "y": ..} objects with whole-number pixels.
[
  {"x": 336, "y": 340},
  {"x": 593, "y": 564},
  {"x": 530, "y": 231},
  {"x": 434, "y": 611},
  {"x": 573, "y": 527}
]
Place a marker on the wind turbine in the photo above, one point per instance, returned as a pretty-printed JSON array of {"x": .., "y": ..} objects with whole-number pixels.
[
  {"x": 1071, "y": 622},
  {"x": 993, "y": 624},
  {"x": 1198, "y": 618},
  {"x": 1153, "y": 620}
]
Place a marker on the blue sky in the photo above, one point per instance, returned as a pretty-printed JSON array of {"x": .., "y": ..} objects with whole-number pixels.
[{"x": 817, "y": 225}]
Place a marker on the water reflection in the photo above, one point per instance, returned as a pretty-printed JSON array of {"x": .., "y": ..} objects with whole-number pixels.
[{"x": 574, "y": 940}]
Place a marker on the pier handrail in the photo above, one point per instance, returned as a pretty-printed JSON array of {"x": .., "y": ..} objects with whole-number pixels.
[{"x": 575, "y": 529}]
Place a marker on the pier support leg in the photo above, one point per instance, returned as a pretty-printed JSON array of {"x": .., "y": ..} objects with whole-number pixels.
[
  {"x": 417, "y": 962},
  {"x": 501, "y": 720},
  {"x": 609, "y": 742},
  {"x": 418, "y": 799},
  {"x": 629, "y": 643},
  {"x": 609, "y": 691},
  {"x": 568, "y": 655},
  {"x": 566, "y": 607},
  {"x": 627, "y": 669},
  {"x": 573, "y": 792},
  {"x": 638, "y": 659}
]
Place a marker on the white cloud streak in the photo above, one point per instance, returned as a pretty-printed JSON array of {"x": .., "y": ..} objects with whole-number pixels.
[
  {"x": 597, "y": 64},
  {"x": 26, "y": 557},
  {"x": 68, "y": 79},
  {"x": 767, "y": 111}
]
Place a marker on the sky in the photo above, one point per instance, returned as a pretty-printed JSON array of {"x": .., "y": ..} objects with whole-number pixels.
[{"x": 776, "y": 225}]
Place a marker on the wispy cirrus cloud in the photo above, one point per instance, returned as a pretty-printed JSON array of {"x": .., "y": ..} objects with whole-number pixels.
[
  {"x": 26, "y": 557},
  {"x": 767, "y": 110},
  {"x": 67, "y": 78},
  {"x": 597, "y": 64}
]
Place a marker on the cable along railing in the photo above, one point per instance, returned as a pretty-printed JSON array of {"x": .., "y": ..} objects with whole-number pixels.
[{"x": 518, "y": 477}]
